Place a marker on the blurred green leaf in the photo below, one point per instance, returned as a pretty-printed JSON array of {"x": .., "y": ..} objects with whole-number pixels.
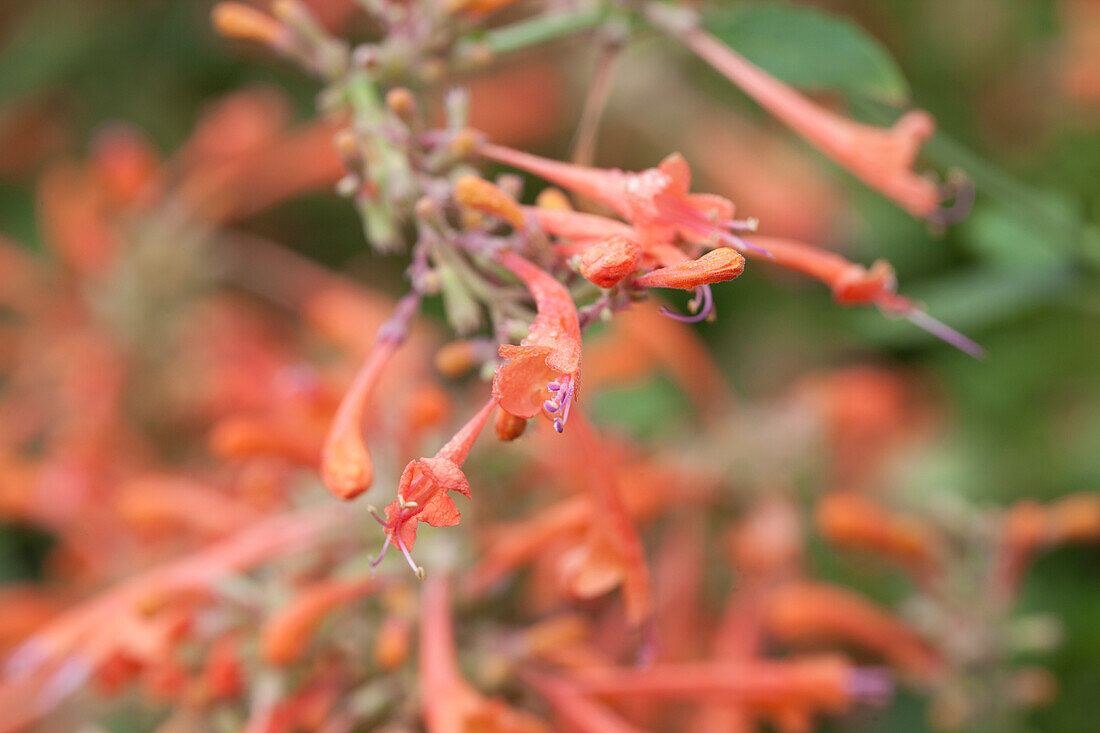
[
  {"x": 50, "y": 41},
  {"x": 810, "y": 49}
]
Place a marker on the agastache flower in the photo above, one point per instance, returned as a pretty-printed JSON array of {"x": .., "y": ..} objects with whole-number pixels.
[
  {"x": 854, "y": 284},
  {"x": 346, "y": 465},
  {"x": 656, "y": 202},
  {"x": 423, "y": 493},
  {"x": 542, "y": 373},
  {"x": 816, "y": 611},
  {"x": 881, "y": 158}
]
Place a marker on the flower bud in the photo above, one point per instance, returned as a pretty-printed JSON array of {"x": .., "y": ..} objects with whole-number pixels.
[
  {"x": 509, "y": 426},
  {"x": 610, "y": 260},
  {"x": 488, "y": 198}
]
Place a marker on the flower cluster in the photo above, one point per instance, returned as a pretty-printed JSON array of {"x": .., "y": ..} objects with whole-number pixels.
[{"x": 179, "y": 395}]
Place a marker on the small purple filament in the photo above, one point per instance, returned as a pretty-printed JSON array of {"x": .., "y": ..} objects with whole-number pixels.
[
  {"x": 703, "y": 292},
  {"x": 945, "y": 333},
  {"x": 871, "y": 686},
  {"x": 562, "y": 401}
]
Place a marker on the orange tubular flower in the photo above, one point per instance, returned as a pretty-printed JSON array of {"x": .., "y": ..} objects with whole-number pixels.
[
  {"x": 854, "y": 284},
  {"x": 481, "y": 195},
  {"x": 423, "y": 493},
  {"x": 286, "y": 635},
  {"x": 244, "y": 22},
  {"x": 848, "y": 519},
  {"x": 656, "y": 201},
  {"x": 881, "y": 158},
  {"x": 814, "y": 612},
  {"x": 574, "y": 709},
  {"x": 346, "y": 465},
  {"x": 449, "y": 703},
  {"x": 718, "y": 265},
  {"x": 548, "y": 362},
  {"x": 828, "y": 684}
]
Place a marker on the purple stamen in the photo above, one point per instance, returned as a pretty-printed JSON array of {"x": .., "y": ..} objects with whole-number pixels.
[
  {"x": 417, "y": 570},
  {"x": 738, "y": 243},
  {"x": 553, "y": 386},
  {"x": 385, "y": 548},
  {"x": 871, "y": 685},
  {"x": 945, "y": 333},
  {"x": 550, "y": 406},
  {"x": 559, "y": 426},
  {"x": 703, "y": 291}
]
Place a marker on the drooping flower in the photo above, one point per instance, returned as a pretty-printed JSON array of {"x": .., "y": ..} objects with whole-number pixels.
[
  {"x": 542, "y": 373},
  {"x": 854, "y": 284},
  {"x": 718, "y": 265},
  {"x": 346, "y": 465},
  {"x": 880, "y": 157},
  {"x": 849, "y": 519},
  {"x": 423, "y": 492}
]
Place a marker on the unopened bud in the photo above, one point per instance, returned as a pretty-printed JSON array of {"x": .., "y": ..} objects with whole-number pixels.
[
  {"x": 610, "y": 260},
  {"x": 462, "y": 143},
  {"x": 432, "y": 71},
  {"x": 553, "y": 198},
  {"x": 456, "y": 359},
  {"x": 401, "y": 102},
  {"x": 481, "y": 195},
  {"x": 237, "y": 20},
  {"x": 509, "y": 426}
]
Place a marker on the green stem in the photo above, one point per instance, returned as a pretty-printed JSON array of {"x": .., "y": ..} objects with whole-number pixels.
[{"x": 545, "y": 28}]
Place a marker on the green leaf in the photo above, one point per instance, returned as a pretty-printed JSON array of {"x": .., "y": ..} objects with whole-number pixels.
[
  {"x": 52, "y": 39},
  {"x": 809, "y": 49}
]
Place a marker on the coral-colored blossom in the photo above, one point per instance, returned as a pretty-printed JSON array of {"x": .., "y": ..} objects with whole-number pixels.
[
  {"x": 715, "y": 266},
  {"x": 854, "y": 284},
  {"x": 542, "y": 373},
  {"x": 478, "y": 194},
  {"x": 881, "y": 158},
  {"x": 346, "y": 465},
  {"x": 656, "y": 202},
  {"x": 815, "y": 612},
  {"x": 423, "y": 493}
]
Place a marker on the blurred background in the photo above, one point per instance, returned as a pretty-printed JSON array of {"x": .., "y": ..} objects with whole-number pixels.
[{"x": 1013, "y": 84}]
